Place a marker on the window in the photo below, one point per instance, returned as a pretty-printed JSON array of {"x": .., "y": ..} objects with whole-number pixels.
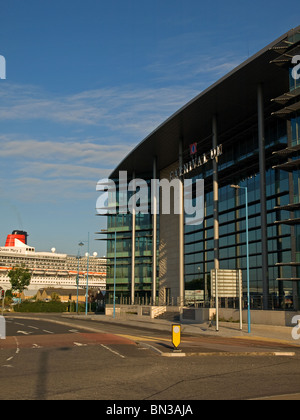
[
  {"x": 295, "y": 126},
  {"x": 294, "y": 83}
]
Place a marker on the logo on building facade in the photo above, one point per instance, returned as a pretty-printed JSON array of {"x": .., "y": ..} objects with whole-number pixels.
[
  {"x": 193, "y": 149},
  {"x": 196, "y": 161}
]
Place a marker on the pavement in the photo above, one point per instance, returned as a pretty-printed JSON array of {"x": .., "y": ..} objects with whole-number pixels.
[{"x": 203, "y": 339}]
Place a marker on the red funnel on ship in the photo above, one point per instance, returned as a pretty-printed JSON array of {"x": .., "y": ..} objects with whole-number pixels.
[{"x": 16, "y": 234}]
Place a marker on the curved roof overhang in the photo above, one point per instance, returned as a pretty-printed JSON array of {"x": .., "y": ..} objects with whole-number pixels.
[{"x": 232, "y": 99}]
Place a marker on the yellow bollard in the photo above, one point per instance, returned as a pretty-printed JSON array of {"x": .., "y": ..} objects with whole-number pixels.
[{"x": 176, "y": 335}]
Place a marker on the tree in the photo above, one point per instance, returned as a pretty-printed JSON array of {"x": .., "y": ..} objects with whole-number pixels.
[
  {"x": 55, "y": 297},
  {"x": 19, "y": 278}
]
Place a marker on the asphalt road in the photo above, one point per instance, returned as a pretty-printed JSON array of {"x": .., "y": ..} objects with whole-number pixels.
[{"x": 42, "y": 360}]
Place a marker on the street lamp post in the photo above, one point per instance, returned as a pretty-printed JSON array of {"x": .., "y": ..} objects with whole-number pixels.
[
  {"x": 87, "y": 272},
  {"x": 115, "y": 270},
  {"x": 78, "y": 256},
  {"x": 247, "y": 245},
  {"x": 87, "y": 276}
]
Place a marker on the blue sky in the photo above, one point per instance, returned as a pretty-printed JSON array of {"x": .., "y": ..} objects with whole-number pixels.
[{"x": 88, "y": 80}]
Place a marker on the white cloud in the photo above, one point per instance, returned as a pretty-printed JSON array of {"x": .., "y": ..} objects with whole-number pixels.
[
  {"x": 55, "y": 170},
  {"x": 127, "y": 109},
  {"x": 85, "y": 151},
  {"x": 200, "y": 71},
  {"x": 184, "y": 59},
  {"x": 61, "y": 171},
  {"x": 60, "y": 167},
  {"x": 34, "y": 189}
]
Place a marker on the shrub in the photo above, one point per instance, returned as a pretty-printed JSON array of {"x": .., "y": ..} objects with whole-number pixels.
[{"x": 40, "y": 306}]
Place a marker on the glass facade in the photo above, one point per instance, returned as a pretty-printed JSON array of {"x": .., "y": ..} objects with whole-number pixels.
[
  {"x": 295, "y": 125},
  {"x": 199, "y": 241},
  {"x": 122, "y": 225},
  {"x": 295, "y": 141}
]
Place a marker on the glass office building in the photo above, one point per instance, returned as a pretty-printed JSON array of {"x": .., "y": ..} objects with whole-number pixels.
[
  {"x": 252, "y": 116},
  {"x": 120, "y": 242}
]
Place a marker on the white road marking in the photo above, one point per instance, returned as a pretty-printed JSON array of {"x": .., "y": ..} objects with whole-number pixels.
[
  {"x": 113, "y": 351},
  {"x": 34, "y": 328},
  {"x": 11, "y": 358},
  {"x": 284, "y": 354},
  {"x": 48, "y": 332},
  {"x": 79, "y": 344},
  {"x": 17, "y": 343},
  {"x": 23, "y": 332},
  {"x": 36, "y": 346}
]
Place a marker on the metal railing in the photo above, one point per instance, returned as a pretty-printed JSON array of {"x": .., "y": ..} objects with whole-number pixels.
[{"x": 274, "y": 302}]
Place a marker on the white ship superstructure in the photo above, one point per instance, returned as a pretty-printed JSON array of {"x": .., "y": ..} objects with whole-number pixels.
[{"x": 50, "y": 269}]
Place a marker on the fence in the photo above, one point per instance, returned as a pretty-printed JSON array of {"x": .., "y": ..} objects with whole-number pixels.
[{"x": 279, "y": 303}]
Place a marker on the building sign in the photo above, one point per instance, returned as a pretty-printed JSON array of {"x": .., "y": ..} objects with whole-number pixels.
[
  {"x": 229, "y": 283},
  {"x": 193, "y": 296},
  {"x": 196, "y": 161}
]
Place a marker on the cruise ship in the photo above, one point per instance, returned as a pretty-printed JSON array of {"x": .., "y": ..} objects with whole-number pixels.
[{"x": 50, "y": 269}]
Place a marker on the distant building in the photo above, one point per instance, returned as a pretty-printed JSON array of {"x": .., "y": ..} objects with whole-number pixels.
[{"x": 65, "y": 295}]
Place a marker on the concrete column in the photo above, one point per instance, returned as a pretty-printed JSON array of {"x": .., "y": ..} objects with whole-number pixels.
[
  {"x": 215, "y": 193},
  {"x": 154, "y": 236},
  {"x": 263, "y": 196},
  {"x": 181, "y": 232},
  {"x": 133, "y": 253}
]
